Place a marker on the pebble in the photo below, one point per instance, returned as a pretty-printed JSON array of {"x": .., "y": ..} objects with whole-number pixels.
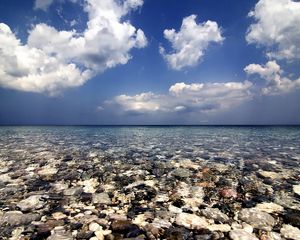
[
  {"x": 94, "y": 227},
  {"x": 228, "y": 193},
  {"x": 269, "y": 207},
  {"x": 240, "y": 234},
  {"x": 101, "y": 198},
  {"x": 257, "y": 219},
  {"x": 296, "y": 189},
  {"x": 290, "y": 232},
  {"x": 191, "y": 221},
  {"x": 219, "y": 227},
  {"x": 31, "y": 203},
  {"x": 215, "y": 214},
  {"x": 268, "y": 174},
  {"x": 16, "y": 218}
]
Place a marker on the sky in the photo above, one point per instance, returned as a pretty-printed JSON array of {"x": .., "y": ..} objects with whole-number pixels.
[{"x": 149, "y": 62}]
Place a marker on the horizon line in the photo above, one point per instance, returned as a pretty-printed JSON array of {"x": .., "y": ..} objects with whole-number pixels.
[{"x": 149, "y": 125}]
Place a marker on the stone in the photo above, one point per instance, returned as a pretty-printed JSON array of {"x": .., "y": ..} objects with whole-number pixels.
[
  {"x": 269, "y": 207},
  {"x": 247, "y": 227},
  {"x": 174, "y": 233},
  {"x": 257, "y": 219},
  {"x": 215, "y": 214},
  {"x": 94, "y": 227},
  {"x": 267, "y": 174},
  {"x": 290, "y": 232},
  {"x": 240, "y": 234},
  {"x": 76, "y": 191},
  {"x": 181, "y": 173},
  {"x": 59, "y": 215},
  {"x": 16, "y": 218},
  {"x": 59, "y": 233},
  {"x": 191, "y": 221},
  {"x": 228, "y": 193},
  {"x": 292, "y": 218},
  {"x": 275, "y": 236},
  {"x": 174, "y": 209},
  {"x": 219, "y": 227},
  {"x": 31, "y": 203},
  {"x": 47, "y": 171},
  {"x": 100, "y": 235},
  {"x": 122, "y": 225},
  {"x": 161, "y": 223},
  {"x": 101, "y": 198},
  {"x": 90, "y": 185},
  {"x": 296, "y": 189}
]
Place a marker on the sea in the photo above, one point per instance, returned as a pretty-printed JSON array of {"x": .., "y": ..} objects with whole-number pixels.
[{"x": 149, "y": 182}]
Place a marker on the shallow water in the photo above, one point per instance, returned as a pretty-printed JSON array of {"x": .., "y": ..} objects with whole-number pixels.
[
  {"x": 279, "y": 143},
  {"x": 174, "y": 170}
]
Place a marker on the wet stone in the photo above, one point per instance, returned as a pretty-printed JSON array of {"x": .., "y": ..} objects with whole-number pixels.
[
  {"x": 101, "y": 198},
  {"x": 191, "y": 221},
  {"x": 292, "y": 218},
  {"x": 215, "y": 214},
  {"x": 181, "y": 173},
  {"x": 240, "y": 234},
  {"x": 296, "y": 189},
  {"x": 60, "y": 234},
  {"x": 290, "y": 232},
  {"x": 228, "y": 193},
  {"x": 123, "y": 226},
  {"x": 16, "y": 218},
  {"x": 174, "y": 233},
  {"x": 269, "y": 207},
  {"x": 257, "y": 219},
  {"x": 31, "y": 203}
]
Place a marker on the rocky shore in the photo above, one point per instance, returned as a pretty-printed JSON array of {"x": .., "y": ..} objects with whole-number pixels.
[{"x": 96, "y": 196}]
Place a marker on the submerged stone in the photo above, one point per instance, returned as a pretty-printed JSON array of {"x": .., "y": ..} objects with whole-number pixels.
[
  {"x": 16, "y": 218},
  {"x": 101, "y": 198},
  {"x": 290, "y": 232},
  {"x": 257, "y": 219},
  {"x": 240, "y": 234},
  {"x": 296, "y": 189},
  {"x": 269, "y": 207},
  {"x": 215, "y": 214},
  {"x": 191, "y": 221},
  {"x": 31, "y": 203}
]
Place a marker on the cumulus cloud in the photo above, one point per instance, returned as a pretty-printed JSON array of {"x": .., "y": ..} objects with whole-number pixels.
[
  {"x": 42, "y": 4},
  {"x": 276, "y": 27},
  {"x": 53, "y": 60},
  {"x": 182, "y": 97},
  {"x": 190, "y": 42},
  {"x": 275, "y": 82}
]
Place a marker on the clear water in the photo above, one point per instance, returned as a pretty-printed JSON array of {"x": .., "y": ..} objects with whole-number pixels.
[
  {"x": 226, "y": 144},
  {"x": 151, "y": 169}
]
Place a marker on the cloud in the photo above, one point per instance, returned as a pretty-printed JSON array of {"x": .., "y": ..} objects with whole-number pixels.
[
  {"x": 182, "y": 97},
  {"x": 190, "y": 42},
  {"x": 54, "y": 60},
  {"x": 275, "y": 83},
  {"x": 276, "y": 27},
  {"x": 42, "y": 4}
]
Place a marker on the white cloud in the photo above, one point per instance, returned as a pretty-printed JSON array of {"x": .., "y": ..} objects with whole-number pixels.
[
  {"x": 190, "y": 42},
  {"x": 276, "y": 27},
  {"x": 42, "y": 4},
  {"x": 275, "y": 82},
  {"x": 204, "y": 98},
  {"x": 53, "y": 60}
]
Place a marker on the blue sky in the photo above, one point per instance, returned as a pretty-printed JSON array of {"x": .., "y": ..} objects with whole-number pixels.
[{"x": 149, "y": 62}]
